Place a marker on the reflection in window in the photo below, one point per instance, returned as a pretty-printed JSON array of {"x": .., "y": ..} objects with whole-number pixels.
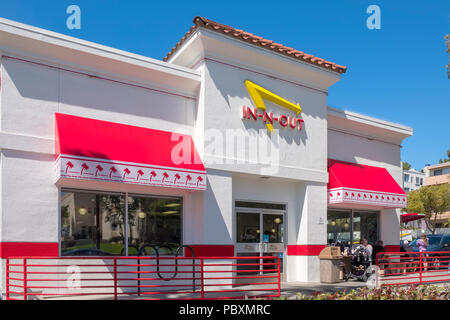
[
  {"x": 248, "y": 227},
  {"x": 92, "y": 223},
  {"x": 365, "y": 226},
  {"x": 338, "y": 227},
  {"x": 343, "y": 229},
  {"x": 155, "y": 221},
  {"x": 273, "y": 228}
]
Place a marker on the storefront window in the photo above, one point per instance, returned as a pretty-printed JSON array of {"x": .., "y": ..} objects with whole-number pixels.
[
  {"x": 273, "y": 228},
  {"x": 365, "y": 226},
  {"x": 350, "y": 226},
  {"x": 338, "y": 227},
  {"x": 248, "y": 229},
  {"x": 92, "y": 223},
  {"x": 155, "y": 221}
]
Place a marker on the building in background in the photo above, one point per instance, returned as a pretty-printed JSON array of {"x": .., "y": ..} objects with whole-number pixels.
[
  {"x": 412, "y": 180},
  {"x": 438, "y": 174}
]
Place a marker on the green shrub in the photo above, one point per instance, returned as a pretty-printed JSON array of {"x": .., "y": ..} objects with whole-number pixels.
[{"x": 423, "y": 292}]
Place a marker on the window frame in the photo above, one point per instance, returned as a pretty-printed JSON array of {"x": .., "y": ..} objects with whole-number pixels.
[
  {"x": 126, "y": 195},
  {"x": 140, "y": 195},
  {"x": 352, "y": 211}
]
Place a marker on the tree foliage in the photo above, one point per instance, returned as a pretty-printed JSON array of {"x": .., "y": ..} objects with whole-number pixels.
[
  {"x": 406, "y": 165},
  {"x": 445, "y": 160},
  {"x": 431, "y": 201}
]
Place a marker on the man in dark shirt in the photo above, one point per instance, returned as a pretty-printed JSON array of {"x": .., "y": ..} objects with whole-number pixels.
[
  {"x": 378, "y": 247},
  {"x": 407, "y": 248}
]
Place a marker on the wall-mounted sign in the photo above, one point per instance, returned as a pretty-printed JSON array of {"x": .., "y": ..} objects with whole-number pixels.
[{"x": 259, "y": 94}]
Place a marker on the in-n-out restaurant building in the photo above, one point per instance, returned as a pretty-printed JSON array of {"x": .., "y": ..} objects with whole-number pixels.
[{"x": 227, "y": 145}]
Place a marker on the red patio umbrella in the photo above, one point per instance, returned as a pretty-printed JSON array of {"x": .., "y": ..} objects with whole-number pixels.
[{"x": 407, "y": 217}]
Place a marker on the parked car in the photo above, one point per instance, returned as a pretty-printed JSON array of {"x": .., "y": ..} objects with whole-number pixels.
[{"x": 437, "y": 243}]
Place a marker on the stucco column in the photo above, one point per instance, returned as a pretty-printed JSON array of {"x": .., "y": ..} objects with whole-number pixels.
[
  {"x": 389, "y": 229},
  {"x": 309, "y": 233},
  {"x": 209, "y": 228}
]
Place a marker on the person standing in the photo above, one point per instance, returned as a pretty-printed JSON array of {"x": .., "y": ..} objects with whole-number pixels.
[
  {"x": 408, "y": 258},
  {"x": 377, "y": 248},
  {"x": 422, "y": 244},
  {"x": 368, "y": 246}
]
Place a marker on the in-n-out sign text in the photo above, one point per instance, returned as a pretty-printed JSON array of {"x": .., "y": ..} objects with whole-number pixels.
[
  {"x": 258, "y": 95},
  {"x": 269, "y": 118}
]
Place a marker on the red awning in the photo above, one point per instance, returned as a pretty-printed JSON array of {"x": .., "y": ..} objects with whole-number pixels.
[
  {"x": 107, "y": 151},
  {"x": 408, "y": 217},
  {"x": 357, "y": 183}
]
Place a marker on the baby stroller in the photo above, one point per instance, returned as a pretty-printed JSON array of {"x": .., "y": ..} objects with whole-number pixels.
[{"x": 357, "y": 265}]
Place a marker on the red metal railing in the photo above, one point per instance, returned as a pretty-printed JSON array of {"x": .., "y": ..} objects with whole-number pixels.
[
  {"x": 142, "y": 277},
  {"x": 405, "y": 268}
]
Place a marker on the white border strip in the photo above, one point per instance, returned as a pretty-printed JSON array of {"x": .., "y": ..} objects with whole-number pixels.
[
  {"x": 377, "y": 198},
  {"x": 117, "y": 171}
]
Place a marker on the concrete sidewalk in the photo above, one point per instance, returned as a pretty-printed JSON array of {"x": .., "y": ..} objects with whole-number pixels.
[{"x": 290, "y": 289}]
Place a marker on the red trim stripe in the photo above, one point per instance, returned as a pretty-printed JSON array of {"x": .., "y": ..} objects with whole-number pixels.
[
  {"x": 30, "y": 249},
  {"x": 392, "y": 248},
  {"x": 304, "y": 249},
  {"x": 210, "y": 250}
]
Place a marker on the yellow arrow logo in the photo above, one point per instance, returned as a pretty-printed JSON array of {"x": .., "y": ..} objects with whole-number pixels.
[{"x": 258, "y": 93}]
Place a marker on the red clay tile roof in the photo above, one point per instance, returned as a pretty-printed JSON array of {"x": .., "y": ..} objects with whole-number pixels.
[{"x": 253, "y": 39}]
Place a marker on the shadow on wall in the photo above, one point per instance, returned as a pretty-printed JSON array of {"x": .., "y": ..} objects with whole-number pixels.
[
  {"x": 230, "y": 85},
  {"x": 348, "y": 147},
  {"x": 48, "y": 83},
  {"x": 213, "y": 218}
]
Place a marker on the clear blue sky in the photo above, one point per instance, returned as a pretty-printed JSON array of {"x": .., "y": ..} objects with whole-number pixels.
[{"x": 396, "y": 73}]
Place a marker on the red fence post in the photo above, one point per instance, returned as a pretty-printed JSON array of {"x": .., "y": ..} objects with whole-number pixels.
[
  {"x": 7, "y": 278},
  {"x": 202, "y": 279},
  {"x": 420, "y": 267},
  {"x": 377, "y": 269},
  {"x": 279, "y": 277},
  {"x": 25, "y": 297},
  {"x": 115, "y": 278}
]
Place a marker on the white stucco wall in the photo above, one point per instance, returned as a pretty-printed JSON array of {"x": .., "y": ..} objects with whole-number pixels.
[
  {"x": 301, "y": 154},
  {"x": 300, "y": 177},
  {"x": 216, "y": 224},
  {"x": 357, "y": 147},
  {"x": 31, "y": 94}
]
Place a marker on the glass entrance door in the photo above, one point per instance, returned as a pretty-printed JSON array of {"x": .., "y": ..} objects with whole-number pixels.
[{"x": 259, "y": 233}]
